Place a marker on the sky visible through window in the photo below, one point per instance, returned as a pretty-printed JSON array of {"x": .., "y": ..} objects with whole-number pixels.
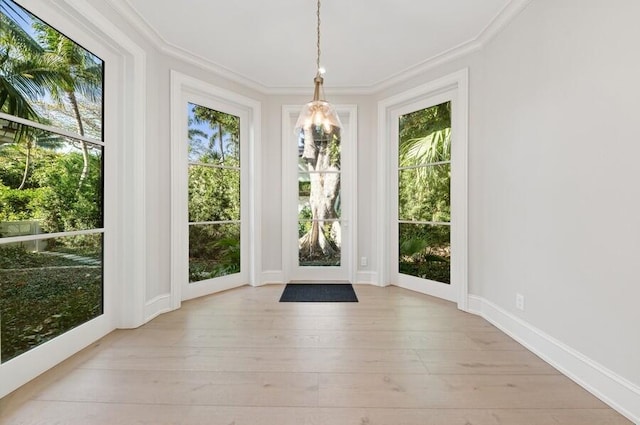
[{"x": 201, "y": 135}]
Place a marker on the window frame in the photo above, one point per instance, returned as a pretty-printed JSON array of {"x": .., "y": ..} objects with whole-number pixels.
[
  {"x": 454, "y": 88},
  {"x": 186, "y": 89}
]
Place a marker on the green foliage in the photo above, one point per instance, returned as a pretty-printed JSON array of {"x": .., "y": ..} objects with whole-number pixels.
[
  {"x": 334, "y": 150},
  {"x": 303, "y": 225},
  {"x": 53, "y": 197},
  {"x": 419, "y": 124},
  {"x": 214, "y": 250},
  {"x": 425, "y": 251},
  {"x": 57, "y": 299},
  {"x": 424, "y": 194},
  {"x": 220, "y": 143},
  {"x": 17, "y": 205},
  {"x": 65, "y": 206},
  {"x": 214, "y": 194}
]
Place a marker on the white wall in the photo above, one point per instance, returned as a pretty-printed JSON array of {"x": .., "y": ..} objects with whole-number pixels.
[{"x": 555, "y": 188}]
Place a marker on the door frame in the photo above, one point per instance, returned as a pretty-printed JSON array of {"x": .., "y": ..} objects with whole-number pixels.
[
  {"x": 349, "y": 139},
  {"x": 185, "y": 89},
  {"x": 456, "y": 86}
]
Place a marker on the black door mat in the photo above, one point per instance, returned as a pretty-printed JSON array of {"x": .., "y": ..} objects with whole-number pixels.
[{"x": 319, "y": 293}]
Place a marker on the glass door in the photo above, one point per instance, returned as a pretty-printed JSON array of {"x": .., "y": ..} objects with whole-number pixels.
[
  {"x": 423, "y": 215},
  {"x": 319, "y": 218},
  {"x": 317, "y": 205},
  {"x": 216, "y": 201}
]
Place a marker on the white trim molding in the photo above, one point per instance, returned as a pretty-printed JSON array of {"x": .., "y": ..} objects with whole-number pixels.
[
  {"x": 272, "y": 277},
  {"x": 156, "y": 306},
  {"x": 367, "y": 278},
  {"x": 183, "y": 86},
  {"x": 608, "y": 386},
  {"x": 455, "y": 87}
]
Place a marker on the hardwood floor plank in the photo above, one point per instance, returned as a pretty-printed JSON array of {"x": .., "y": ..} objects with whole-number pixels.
[
  {"x": 453, "y": 391},
  {"x": 485, "y": 363},
  {"x": 257, "y": 360},
  {"x": 374, "y": 416},
  {"x": 185, "y": 388},
  {"x": 406, "y": 340}
]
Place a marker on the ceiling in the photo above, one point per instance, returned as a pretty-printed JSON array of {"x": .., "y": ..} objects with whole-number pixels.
[{"x": 272, "y": 44}]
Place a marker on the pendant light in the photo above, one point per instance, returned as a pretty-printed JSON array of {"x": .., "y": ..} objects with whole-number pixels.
[{"x": 318, "y": 115}]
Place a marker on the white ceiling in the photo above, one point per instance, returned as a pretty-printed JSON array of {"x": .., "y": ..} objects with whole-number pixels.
[{"x": 272, "y": 43}]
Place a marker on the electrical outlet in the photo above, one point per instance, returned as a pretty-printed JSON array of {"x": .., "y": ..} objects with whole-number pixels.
[
  {"x": 363, "y": 261},
  {"x": 520, "y": 302}
]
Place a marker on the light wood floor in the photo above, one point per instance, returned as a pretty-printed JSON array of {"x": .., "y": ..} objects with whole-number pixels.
[{"x": 243, "y": 358}]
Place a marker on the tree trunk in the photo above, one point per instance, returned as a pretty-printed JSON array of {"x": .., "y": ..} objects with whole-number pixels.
[
  {"x": 323, "y": 239},
  {"x": 85, "y": 150},
  {"x": 220, "y": 142},
  {"x": 27, "y": 164}
]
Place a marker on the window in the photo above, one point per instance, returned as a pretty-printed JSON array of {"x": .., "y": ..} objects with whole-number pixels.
[{"x": 51, "y": 182}]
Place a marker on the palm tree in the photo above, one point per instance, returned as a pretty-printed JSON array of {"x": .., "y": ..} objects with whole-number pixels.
[
  {"x": 425, "y": 136},
  {"x": 37, "y": 138},
  {"x": 25, "y": 71},
  {"x": 83, "y": 75},
  {"x": 222, "y": 124},
  {"x": 25, "y": 74}
]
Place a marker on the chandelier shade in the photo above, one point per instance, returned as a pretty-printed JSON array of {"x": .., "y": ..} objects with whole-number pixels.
[{"x": 318, "y": 115}]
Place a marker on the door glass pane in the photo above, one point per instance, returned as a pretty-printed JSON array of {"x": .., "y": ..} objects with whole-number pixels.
[
  {"x": 424, "y": 193},
  {"x": 331, "y": 197},
  {"x": 329, "y": 236},
  {"x": 319, "y": 203},
  {"x": 47, "y": 77},
  {"x": 47, "y": 287},
  {"x": 425, "y": 136},
  {"x": 214, "y": 137},
  {"x": 214, "y": 250},
  {"x": 214, "y": 193},
  {"x": 425, "y": 251},
  {"x": 49, "y": 184}
]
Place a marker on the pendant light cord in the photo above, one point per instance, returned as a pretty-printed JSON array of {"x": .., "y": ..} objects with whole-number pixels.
[{"x": 318, "y": 44}]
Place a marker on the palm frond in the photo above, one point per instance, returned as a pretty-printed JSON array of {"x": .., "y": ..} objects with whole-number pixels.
[{"x": 434, "y": 147}]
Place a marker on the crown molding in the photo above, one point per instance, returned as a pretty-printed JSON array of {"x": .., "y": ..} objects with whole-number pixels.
[
  {"x": 497, "y": 24},
  {"x": 501, "y": 20}
]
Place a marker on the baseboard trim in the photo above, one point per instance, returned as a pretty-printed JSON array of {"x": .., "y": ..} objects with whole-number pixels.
[
  {"x": 156, "y": 306},
  {"x": 619, "y": 393},
  {"x": 370, "y": 278},
  {"x": 271, "y": 276}
]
